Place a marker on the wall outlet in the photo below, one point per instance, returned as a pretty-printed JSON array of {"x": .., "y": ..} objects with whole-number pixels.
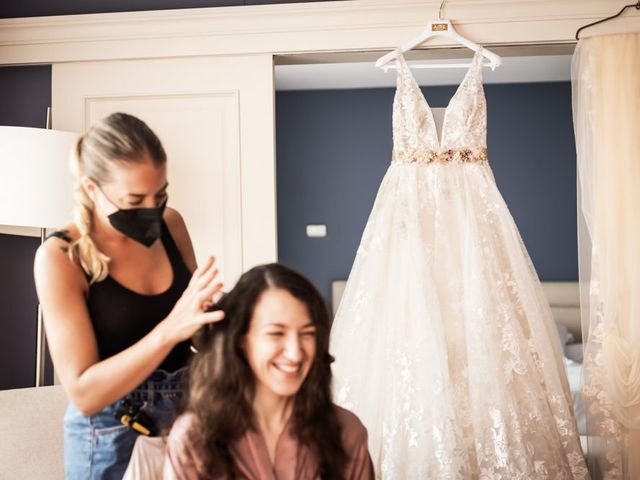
[{"x": 316, "y": 231}]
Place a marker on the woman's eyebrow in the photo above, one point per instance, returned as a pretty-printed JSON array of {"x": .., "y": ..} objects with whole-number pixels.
[
  {"x": 142, "y": 195},
  {"x": 278, "y": 325}
]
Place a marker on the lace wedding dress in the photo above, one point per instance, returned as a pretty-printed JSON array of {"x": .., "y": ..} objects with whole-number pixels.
[{"x": 444, "y": 342}]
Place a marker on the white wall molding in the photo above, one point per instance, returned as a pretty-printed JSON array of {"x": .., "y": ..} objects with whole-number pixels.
[{"x": 300, "y": 28}]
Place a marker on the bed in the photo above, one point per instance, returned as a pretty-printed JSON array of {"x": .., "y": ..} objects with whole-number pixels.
[{"x": 564, "y": 299}]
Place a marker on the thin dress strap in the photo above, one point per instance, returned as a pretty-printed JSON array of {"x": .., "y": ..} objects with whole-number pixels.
[{"x": 62, "y": 234}]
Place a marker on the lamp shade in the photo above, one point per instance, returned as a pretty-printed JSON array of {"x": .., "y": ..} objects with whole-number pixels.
[{"x": 35, "y": 178}]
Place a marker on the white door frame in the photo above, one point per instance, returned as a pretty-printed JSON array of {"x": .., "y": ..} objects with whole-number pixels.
[{"x": 357, "y": 25}]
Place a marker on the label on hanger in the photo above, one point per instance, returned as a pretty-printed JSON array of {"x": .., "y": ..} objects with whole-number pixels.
[{"x": 439, "y": 27}]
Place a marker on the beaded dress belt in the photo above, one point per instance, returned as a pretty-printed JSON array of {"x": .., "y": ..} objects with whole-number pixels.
[{"x": 451, "y": 155}]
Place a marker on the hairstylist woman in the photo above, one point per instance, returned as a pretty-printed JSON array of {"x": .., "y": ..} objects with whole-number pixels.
[{"x": 119, "y": 297}]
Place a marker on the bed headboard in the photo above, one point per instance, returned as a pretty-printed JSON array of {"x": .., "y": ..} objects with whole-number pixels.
[{"x": 564, "y": 298}]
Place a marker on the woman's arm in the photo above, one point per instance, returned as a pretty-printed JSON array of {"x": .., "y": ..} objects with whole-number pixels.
[
  {"x": 356, "y": 443},
  {"x": 360, "y": 464},
  {"x": 180, "y": 461},
  {"x": 91, "y": 384}
]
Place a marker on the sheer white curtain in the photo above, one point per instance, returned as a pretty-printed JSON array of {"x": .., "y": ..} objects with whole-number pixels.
[{"x": 606, "y": 109}]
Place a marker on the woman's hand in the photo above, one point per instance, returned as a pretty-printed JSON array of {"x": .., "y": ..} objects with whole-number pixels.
[{"x": 189, "y": 314}]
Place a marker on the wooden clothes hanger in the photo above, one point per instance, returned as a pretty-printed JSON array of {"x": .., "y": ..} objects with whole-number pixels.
[
  {"x": 439, "y": 28},
  {"x": 631, "y": 5}
]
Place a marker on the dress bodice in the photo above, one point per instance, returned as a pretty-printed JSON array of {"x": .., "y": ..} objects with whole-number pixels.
[{"x": 464, "y": 129}]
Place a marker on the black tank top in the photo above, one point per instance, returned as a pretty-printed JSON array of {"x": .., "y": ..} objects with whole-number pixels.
[{"x": 121, "y": 317}]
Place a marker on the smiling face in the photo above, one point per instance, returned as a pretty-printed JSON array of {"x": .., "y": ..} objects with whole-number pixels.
[{"x": 280, "y": 344}]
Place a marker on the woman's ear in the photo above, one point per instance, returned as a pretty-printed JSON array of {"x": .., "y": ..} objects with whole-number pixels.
[{"x": 89, "y": 187}]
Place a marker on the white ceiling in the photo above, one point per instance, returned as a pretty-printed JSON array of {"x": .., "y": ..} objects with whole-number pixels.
[{"x": 514, "y": 69}]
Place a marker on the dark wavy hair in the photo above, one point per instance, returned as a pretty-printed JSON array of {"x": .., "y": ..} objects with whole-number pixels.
[{"x": 221, "y": 385}]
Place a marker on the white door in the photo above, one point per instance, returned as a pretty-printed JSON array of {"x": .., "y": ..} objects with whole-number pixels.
[{"x": 215, "y": 118}]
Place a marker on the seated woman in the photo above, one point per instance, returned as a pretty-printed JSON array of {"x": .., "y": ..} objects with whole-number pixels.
[{"x": 258, "y": 404}]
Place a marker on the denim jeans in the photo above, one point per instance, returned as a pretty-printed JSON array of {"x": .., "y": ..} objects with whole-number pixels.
[{"x": 98, "y": 447}]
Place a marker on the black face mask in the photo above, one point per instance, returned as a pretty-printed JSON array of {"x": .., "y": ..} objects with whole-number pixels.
[{"x": 144, "y": 225}]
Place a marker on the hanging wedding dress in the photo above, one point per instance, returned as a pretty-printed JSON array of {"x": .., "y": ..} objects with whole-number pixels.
[{"x": 444, "y": 342}]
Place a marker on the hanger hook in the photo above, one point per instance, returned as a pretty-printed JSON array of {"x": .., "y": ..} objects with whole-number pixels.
[{"x": 440, "y": 9}]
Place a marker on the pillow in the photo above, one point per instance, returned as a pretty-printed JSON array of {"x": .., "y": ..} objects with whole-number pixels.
[
  {"x": 573, "y": 352},
  {"x": 566, "y": 337}
]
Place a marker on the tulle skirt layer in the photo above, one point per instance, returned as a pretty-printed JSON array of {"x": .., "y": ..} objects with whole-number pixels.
[{"x": 445, "y": 345}]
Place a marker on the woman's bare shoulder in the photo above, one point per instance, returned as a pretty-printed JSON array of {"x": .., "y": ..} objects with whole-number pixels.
[{"x": 52, "y": 258}]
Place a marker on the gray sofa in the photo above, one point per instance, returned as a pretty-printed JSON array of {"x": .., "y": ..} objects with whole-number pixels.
[{"x": 31, "y": 433}]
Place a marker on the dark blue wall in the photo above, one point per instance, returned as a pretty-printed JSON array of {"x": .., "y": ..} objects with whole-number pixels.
[
  {"x": 334, "y": 146},
  {"x": 18, "y": 316},
  {"x": 25, "y": 94},
  {"x": 33, "y": 8}
]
